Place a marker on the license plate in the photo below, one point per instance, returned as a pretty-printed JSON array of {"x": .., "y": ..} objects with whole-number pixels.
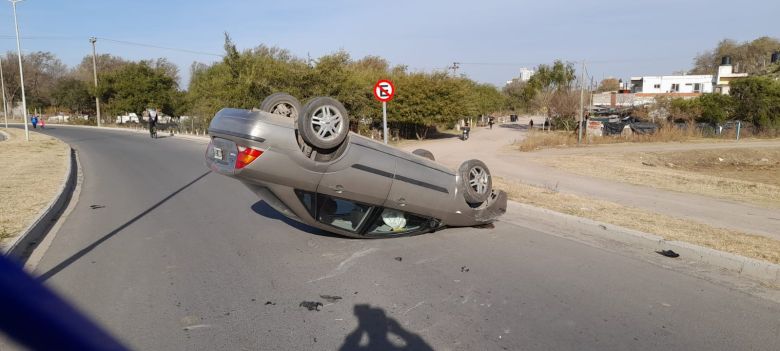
[{"x": 218, "y": 154}]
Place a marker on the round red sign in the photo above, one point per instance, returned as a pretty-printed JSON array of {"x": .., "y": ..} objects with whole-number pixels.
[{"x": 384, "y": 90}]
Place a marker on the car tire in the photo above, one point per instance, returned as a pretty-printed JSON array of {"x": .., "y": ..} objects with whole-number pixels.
[
  {"x": 323, "y": 123},
  {"x": 282, "y": 104},
  {"x": 424, "y": 153},
  {"x": 476, "y": 181}
]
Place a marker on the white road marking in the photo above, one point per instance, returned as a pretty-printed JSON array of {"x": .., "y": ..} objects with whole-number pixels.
[{"x": 346, "y": 264}]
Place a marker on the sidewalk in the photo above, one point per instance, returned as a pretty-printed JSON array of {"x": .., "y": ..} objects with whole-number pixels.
[{"x": 493, "y": 147}]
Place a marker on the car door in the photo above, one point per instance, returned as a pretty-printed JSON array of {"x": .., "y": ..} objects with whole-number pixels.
[
  {"x": 363, "y": 174},
  {"x": 420, "y": 189}
]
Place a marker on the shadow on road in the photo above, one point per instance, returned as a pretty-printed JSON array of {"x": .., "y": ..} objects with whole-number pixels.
[
  {"x": 263, "y": 209},
  {"x": 377, "y": 327},
  {"x": 515, "y": 126},
  {"x": 67, "y": 262}
]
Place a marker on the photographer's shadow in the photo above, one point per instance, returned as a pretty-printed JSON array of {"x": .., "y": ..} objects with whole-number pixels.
[{"x": 377, "y": 326}]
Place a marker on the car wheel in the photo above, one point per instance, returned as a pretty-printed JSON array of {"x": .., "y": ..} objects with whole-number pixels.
[
  {"x": 282, "y": 104},
  {"x": 476, "y": 180},
  {"x": 424, "y": 153},
  {"x": 324, "y": 123}
]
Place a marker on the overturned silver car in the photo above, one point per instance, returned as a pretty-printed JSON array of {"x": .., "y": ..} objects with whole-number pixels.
[{"x": 304, "y": 162}]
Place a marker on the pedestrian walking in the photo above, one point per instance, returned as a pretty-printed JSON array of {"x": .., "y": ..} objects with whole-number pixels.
[
  {"x": 490, "y": 122},
  {"x": 43, "y": 123},
  {"x": 34, "y": 121}
]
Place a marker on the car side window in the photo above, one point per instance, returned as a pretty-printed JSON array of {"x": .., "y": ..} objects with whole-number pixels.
[
  {"x": 340, "y": 213},
  {"x": 307, "y": 199},
  {"x": 392, "y": 221}
]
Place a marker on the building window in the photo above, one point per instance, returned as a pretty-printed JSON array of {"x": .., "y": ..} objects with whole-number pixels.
[
  {"x": 657, "y": 86},
  {"x": 675, "y": 88},
  {"x": 697, "y": 88}
]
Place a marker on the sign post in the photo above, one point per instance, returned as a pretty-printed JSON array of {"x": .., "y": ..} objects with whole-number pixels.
[{"x": 384, "y": 91}]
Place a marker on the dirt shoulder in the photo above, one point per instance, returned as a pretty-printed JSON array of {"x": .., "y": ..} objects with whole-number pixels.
[
  {"x": 30, "y": 177},
  {"x": 749, "y": 173},
  {"x": 670, "y": 228}
]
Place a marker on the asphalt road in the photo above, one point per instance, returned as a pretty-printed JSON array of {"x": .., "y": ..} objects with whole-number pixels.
[{"x": 170, "y": 257}]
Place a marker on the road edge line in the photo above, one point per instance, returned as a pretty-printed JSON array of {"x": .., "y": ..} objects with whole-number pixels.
[
  {"x": 22, "y": 245},
  {"x": 744, "y": 266}
]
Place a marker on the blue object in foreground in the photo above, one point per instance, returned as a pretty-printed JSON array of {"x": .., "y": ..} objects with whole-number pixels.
[{"x": 37, "y": 318}]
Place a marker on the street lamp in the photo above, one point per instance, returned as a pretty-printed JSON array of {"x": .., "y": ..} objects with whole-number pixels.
[
  {"x": 2, "y": 86},
  {"x": 94, "y": 70},
  {"x": 21, "y": 72}
]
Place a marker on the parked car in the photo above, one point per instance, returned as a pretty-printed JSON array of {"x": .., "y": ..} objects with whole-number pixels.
[{"x": 304, "y": 162}]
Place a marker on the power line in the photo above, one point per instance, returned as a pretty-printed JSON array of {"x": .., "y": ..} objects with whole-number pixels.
[
  {"x": 161, "y": 47},
  {"x": 125, "y": 42}
]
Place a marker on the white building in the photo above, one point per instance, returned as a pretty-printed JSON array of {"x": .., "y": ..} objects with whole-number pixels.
[
  {"x": 525, "y": 74},
  {"x": 693, "y": 84},
  {"x": 725, "y": 75}
]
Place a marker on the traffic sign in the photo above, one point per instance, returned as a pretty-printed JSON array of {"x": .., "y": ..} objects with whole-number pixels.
[{"x": 384, "y": 90}]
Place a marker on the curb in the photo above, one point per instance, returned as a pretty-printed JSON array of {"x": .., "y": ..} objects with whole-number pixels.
[
  {"x": 744, "y": 266},
  {"x": 22, "y": 245},
  {"x": 203, "y": 138}
]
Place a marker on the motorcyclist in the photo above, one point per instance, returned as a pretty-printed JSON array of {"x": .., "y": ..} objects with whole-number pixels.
[
  {"x": 466, "y": 130},
  {"x": 153, "y": 123}
]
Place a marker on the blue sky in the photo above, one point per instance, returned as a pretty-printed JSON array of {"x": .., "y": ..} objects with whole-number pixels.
[{"x": 623, "y": 38}]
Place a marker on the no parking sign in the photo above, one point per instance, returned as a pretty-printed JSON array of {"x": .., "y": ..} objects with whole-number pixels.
[{"x": 384, "y": 91}]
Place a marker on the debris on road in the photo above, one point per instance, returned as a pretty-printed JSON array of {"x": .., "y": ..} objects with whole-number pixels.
[
  {"x": 648, "y": 164},
  {"x": 330, "y": 298},
  {"x": 95, "y": 207},
  {"x": 269, "y": 303},
  {"x": 668, "y": 253},
  {"x": 399, "y": 258},
  {"x": 464, "y": 269},
  {"x": 311, "y": 305}
]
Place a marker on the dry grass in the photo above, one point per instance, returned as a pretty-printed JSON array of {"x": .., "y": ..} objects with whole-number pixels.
[
  {"x": 30, "y": 176},
  {"x": 537, "y": 140},
  {"x": 669, "y": 228},
  {"x": 749, "y": 175}
]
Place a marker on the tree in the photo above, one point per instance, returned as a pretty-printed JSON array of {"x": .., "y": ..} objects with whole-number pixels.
[
  {"x": 757, "y": 100},
  {"x": 136, "y": 87},
  {"x": 608, "y": 84},
  {"x": 514, "y": 94},
  {"x": 551, "y": 83},
  {"x": 105, "y": 64},
  {"x": 716, "y": 108},
  {"x": 750, "y": 57},
  {"x": 73, "y": 95},
  {"x": 41, "y": 71}
]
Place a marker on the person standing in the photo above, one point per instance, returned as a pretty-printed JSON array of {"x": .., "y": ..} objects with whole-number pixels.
[
  {"x": 34, "y": 121},
  {"x": 43, "y": 122},
  {"x": 490, "y": 122}
]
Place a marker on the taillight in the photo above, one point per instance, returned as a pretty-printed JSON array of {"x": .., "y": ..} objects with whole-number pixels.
[{"x": 246, "y": 155}]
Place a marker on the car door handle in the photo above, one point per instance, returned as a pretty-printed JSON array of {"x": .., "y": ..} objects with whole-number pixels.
[
  {"x": 337, "y": 188},
  {"x": 401, "y": 202}
]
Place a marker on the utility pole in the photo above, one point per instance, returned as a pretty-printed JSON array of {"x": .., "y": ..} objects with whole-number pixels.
[
  {"x": 94, "y": 70},
  {"x": 454, "y": 68},
  {"x": 5, "y": 104},
  {"x": 582, "y": 97},
  {"x": 21, "y": 72}
]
